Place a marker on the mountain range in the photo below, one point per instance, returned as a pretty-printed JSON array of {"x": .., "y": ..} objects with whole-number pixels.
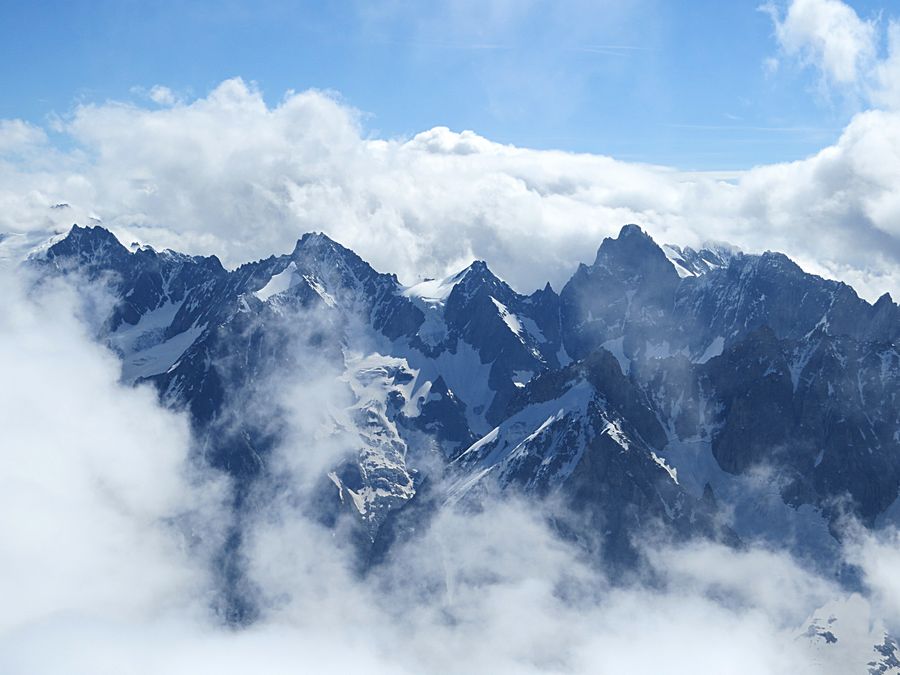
[{"x": 694, "y": 393}]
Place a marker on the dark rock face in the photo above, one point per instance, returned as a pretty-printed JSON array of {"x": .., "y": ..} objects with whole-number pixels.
[
  {"x": 142, "y": 280},
  {"x": 821, "y": 409},
  {"x": 588, "y": 433},
  {"x": 441, "y": 415},
  {"x": 747, "y": 356},
  {"x": 486, "y": 313},
  {"x": 627, "y": 294},
  {"x": 774, "y": 367},
  {"x": 770, "y": 290},
  {"x": 887, "y": 657}
]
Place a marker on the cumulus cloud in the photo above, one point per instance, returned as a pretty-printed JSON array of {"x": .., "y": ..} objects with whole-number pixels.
[
  {"x": 855, "y": 56},
  {"x": 877, "y": 554},
  {"x": 17, "y": 136},
  {"x": 229, "y": 174},
  {"x": 886, "y": 90},
  {"x": 828, "y": 35},
  {"x": 90, "y": 475},
  {"x": 162, "y": 95}
]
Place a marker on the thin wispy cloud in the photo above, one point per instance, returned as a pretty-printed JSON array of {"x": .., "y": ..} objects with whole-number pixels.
[
  {"x": 610, "y": 50},
  {"x": 747, "y": 127}
]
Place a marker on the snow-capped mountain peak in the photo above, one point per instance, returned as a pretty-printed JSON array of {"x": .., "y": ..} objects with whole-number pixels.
[{"x": 691, "y": 263}]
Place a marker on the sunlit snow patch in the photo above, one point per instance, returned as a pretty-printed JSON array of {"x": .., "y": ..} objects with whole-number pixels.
[{"x": 279, "y": 283}]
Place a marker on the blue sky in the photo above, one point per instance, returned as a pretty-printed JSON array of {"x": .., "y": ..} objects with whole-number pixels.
[{"x": 679, "y": 83}]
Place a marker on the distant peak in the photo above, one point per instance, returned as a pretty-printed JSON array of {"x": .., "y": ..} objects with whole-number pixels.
[
  {"x": 778, "y": 260},
  {"x": 630, "y": 235},
  {"x": 87, "y": 243},
  {"x": 720, "y": 247},
  {"x": 92, "y": 234},
  {"x": 90, "y": 230},
  {"x": 476, "y": 270},
  {"x": 633, "y": 247},
  {"x": 318, "y": 244},
  {"x": 476, "y": 274},
  {"x": 692, "y": 263},
  {"x": 544, "y": 295},
  {"x": 315, "y": 237},
  {"x": 632, "y": 230},
  {"x": 312, "y": 240}
]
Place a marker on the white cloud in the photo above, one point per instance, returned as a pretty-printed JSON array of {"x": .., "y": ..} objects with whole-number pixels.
[
  {"x": 886, "y": 88},
  {"x": 878, "y": 554},
  {"x": 89, "y": 474},
  {"x": 17, "y": 136},
  {"x": 856, "y": 57},
  {"x": 828, "y": 35},
  {"x": 227, "y": 174},
  {"x": 162, "y": 95}
]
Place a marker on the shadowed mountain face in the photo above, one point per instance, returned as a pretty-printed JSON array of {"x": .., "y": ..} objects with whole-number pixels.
[{"x": 662, "y": 387}]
